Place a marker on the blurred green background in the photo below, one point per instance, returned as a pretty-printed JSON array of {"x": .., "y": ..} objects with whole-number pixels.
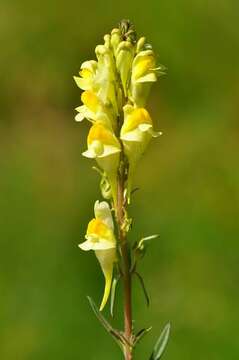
[{"x": 189, "y": 181}]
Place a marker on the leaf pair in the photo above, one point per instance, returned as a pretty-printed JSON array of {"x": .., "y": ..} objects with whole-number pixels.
[
  {"x": 116, "y": 335},
  {"x": 121, "y": 341}
]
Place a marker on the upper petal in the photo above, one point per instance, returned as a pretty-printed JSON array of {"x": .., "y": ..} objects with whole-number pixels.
[{"x": 103, "y": 212}]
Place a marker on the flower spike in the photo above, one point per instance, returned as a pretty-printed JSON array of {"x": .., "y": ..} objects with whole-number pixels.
[{"x": 115, "y": 88}]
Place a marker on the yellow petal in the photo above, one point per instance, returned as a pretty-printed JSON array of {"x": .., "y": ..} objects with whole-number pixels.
[
  {"x": 96, "y": 226},
  {"x": 100, "y": 230},
  {"x": 91, "y": 244},
  {"x": 134, "y": 119},
  {"x": 91, "y": 100},
  {"x": 85, "y": 73},
  {"x": 103, "y": 212},
  {"x": 101, "y": 133},
  {"x": 143, "y": 63}
]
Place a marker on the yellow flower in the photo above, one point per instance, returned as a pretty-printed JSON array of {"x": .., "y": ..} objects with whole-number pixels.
[
  {"x": 100, "y": 238},
  {"x": 105, "y": 79},
  {"x": 104, "y": 146},
  {"x": 91, "y": 100},
  {"x": 143, "y": 75},
  {"x": 136, "y": 133},
  {"x": 87, "y": 74},
  {"x": 98, "y": 79},
  {"x": 94, "y": 110}
]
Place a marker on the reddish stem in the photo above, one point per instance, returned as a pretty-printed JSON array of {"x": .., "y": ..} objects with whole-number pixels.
[{"x": 120, "y": 213}]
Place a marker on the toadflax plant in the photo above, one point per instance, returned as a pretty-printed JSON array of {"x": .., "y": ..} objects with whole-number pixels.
[{"x": 115, "y": 90}]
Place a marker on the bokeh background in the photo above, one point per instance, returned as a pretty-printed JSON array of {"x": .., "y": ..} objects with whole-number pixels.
[{"x": 188, "y": 180}]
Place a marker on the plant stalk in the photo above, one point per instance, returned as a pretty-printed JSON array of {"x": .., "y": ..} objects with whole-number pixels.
[{"x": 126, "y": 263}]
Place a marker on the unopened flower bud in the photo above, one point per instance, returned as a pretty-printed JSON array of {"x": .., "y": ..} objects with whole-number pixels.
[
  {"x": 124, "y": 59},
  {"x": 100, "y": 50},
  {"x": 140, "y": 44},
  {"x": 115, "y": 39},
  {"x": 105, "y": 78},
  {"x": 107, "y": 41}
]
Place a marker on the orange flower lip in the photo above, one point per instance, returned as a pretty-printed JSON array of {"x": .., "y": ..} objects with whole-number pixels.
[{"x": 97, "y": 227}]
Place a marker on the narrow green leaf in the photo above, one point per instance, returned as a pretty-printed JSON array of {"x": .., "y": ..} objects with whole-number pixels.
[
  {"x": 141, "y": 280},
  {"x": 141, "y": 334},
  {"x": 139, "y": 249},
  {"x": 161, "y": 344},
  {"x": 134, "y": 190},
  {"x": 147, "y": 238},
  {"x": 119, "y": 338},
  {"x": 99, "y": 171}
]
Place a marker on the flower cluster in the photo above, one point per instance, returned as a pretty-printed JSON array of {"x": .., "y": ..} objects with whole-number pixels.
[{"x": 115, "y": 90}]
